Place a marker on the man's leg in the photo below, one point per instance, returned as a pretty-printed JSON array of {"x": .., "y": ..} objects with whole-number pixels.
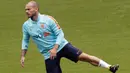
[
  {"x": 53, "y": 66},
  {"x": 75, "y": 54},
  {"x": 97, "y": 62},
  {"x": 93, "y": 60}
]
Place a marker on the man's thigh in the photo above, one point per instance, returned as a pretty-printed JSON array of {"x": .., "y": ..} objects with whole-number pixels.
[{"x": 71, "y": 52}]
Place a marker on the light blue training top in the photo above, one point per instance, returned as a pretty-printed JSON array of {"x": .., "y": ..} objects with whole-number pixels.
[{"x": 45, "y": 32}]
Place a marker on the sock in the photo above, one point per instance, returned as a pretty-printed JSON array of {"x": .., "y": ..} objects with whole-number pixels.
[{"x": 104, "y": 64}]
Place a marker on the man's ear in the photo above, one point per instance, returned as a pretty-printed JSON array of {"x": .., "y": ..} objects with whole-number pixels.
[{"x": 37, "y": 9}]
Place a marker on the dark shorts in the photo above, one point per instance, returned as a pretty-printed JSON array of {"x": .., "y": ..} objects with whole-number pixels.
[{"x": 69, "y": 52}]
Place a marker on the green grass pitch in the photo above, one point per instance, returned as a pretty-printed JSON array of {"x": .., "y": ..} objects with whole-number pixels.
[{"x": 97, "y": 27}]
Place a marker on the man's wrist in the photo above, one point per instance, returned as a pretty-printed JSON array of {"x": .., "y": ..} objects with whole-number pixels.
[
  {"x": 23, "y": 52},
  {"x": 56, "y": 46},
  {"x": 22, "y": 56}
]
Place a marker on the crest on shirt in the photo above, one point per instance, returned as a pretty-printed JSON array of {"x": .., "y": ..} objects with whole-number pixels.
[
  {"x": 42, "y": 25},
  {"x": 46, "y": 34}
]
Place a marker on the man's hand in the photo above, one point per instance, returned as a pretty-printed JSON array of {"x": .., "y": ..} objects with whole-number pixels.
[
  {"x": 22, "y": 61},
  {"x": 53, "y": 52},
  {"x": 23, "y": 53}
]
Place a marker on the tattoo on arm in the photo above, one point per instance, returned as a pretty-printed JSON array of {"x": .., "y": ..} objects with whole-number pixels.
[{"x": 23, "y": 52}]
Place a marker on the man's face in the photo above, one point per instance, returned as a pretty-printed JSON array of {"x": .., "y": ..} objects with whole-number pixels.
[{"x": 30, "y": 10}]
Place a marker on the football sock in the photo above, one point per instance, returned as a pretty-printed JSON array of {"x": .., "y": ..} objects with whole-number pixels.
[{"x": 104, "y": 64}]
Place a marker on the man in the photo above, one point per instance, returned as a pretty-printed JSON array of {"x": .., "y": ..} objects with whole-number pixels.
[{"x": 49, "y": 37}]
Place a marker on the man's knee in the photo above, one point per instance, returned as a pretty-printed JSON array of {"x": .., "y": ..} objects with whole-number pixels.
[
  {"x": 88, "y": 58},
  {"x": 84, "y": 57}
]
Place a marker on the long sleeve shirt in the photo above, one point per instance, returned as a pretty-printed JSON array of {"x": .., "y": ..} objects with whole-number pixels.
[{"x": 45, "y": 32}]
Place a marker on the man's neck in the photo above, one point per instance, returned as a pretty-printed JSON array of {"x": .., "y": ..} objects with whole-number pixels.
[{"x": 34, "y": 18}]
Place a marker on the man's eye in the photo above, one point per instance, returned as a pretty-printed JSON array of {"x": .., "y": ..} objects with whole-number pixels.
[{"x": 27, "y": 9}]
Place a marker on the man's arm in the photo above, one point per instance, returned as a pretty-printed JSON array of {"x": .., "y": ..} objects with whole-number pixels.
[
  {"x": 57, "y": 30},
  {"x": 60, "y": 35},
  {"x": 25, "y": 42},
  {"x": 23, "y": 53}
]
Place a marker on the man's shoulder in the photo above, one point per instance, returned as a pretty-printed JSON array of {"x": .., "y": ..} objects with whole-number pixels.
[
  {"x": 26, "y": 22},
  {"x": 51, "y": 19},
  {"x": 46, "y": 18}
]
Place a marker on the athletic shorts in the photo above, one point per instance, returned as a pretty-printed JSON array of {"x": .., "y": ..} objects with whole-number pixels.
[{"x": 69, "y": 52}]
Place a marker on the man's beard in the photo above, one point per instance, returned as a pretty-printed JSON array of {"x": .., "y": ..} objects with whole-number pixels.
[{"x": 32, "y": 16}]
